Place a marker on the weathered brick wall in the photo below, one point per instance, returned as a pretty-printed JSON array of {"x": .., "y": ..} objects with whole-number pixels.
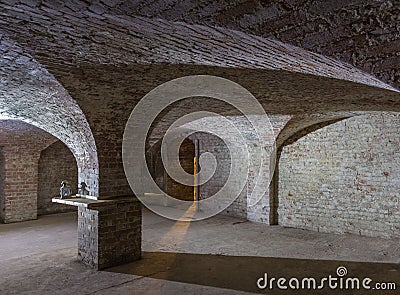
[
  {"x": 186, "y": 159},
  {"x": 20, "y": 189},
  {"x": 56, "y": 164},
  {"x": 162, "y": 178},
  {"x": 207, "y": 143},
  {"x": 245, "y": 205},
  {"x": 155, "y": 164},
  {"x": 344, "y": 178}
]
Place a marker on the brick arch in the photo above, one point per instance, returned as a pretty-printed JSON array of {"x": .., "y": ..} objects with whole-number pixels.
[{"x": 29, "y": 93}]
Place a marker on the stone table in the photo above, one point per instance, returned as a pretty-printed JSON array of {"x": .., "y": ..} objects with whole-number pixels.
[{"x": 109, "y": 231}]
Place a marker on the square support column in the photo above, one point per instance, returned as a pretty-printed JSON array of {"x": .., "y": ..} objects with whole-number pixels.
[{"x": 109, "y": 231}]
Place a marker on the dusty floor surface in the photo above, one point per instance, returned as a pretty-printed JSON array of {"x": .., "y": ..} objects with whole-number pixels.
[{"x": 215, "y": 256}]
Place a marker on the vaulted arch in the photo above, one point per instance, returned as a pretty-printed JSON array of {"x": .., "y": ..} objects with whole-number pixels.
[{"x": 29, "y": 93}]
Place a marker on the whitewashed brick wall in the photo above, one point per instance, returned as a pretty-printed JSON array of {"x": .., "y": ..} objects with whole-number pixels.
[{"x": 344, "y": 178}]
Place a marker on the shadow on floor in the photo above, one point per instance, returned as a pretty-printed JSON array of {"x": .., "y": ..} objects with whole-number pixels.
[{"x": 242, "y": 272}]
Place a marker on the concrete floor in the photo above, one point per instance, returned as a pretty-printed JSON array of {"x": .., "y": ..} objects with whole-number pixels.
[{"x": 214, "y": 256}]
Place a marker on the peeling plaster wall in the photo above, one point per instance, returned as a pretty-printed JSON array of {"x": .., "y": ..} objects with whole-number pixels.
[{"x": 344, "y": 178}]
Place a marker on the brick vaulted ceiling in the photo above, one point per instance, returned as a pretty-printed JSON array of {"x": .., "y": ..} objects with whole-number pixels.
[
  {"x": 364, "y": 33},
  {"x": 108, "y": 58},
  {"x": 77, "y": 33},
  {"x": 29, "y": 93}
]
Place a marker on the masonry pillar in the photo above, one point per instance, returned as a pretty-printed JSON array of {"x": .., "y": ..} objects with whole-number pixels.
[
  {"x": 263, "y": 208},
  {"x": 109, "y": 231},
  {"x": 258, "y": 206}
]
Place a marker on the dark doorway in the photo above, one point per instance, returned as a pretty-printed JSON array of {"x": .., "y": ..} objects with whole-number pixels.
[{"x": 188, "y": 160}]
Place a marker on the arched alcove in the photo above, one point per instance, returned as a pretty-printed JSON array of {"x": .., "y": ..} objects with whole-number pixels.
[{"x": 56, "y": 164}]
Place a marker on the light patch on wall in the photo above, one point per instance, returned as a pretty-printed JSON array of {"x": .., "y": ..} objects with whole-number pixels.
[{"x": 4, "y": 117}]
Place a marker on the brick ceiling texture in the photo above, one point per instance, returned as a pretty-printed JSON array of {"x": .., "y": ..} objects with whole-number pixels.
[
  {"x": 108, "y": 54},
  {"x": 364, "y": 33}
]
